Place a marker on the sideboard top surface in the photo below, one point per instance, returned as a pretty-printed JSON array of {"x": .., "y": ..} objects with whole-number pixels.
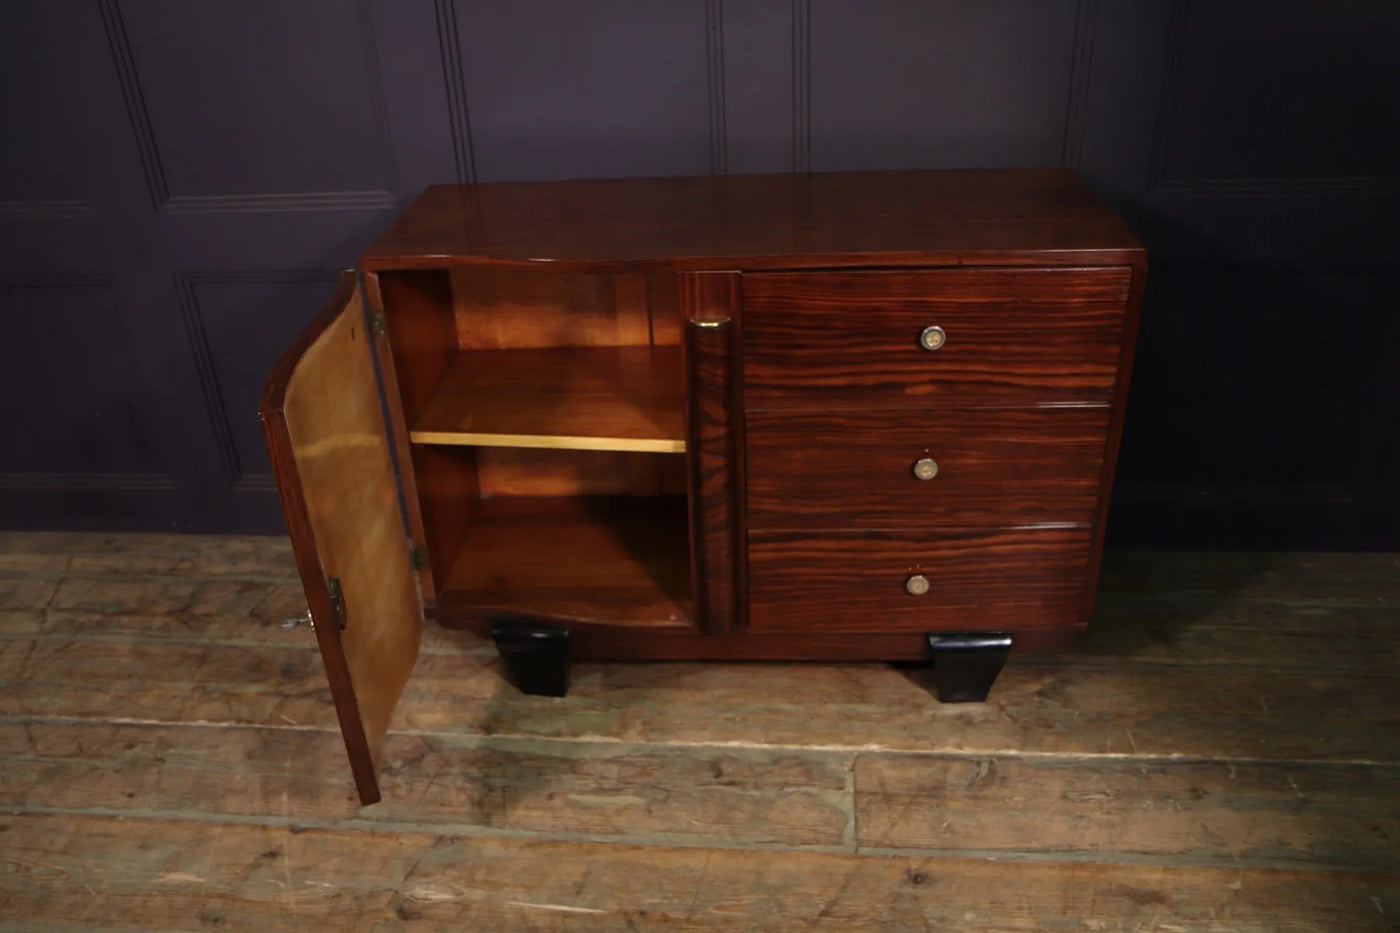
[{"x": 762, "y": 221}]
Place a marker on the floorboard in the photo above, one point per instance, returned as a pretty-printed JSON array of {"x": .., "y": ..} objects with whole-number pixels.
[
  {"x": 1222, "y": 753},
  {"x": 95, "y": 871}
]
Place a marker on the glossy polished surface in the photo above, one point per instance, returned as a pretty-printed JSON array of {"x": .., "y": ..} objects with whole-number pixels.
[
  {"x": 856, "y": 469},
  {"x": 854, "y": 339},
  {"x": 844, "y": 336},
  {"x": 1019, "y": 578},
  {"x": 885, "y": 218},
  {"x": 710, "y": 301}
]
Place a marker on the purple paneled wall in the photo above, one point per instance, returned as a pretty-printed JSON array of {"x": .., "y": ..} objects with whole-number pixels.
[{"x": 180, "y": 181}]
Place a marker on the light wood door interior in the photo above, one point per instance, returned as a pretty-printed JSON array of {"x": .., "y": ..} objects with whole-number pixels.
[
  {"x": 326, "y": 434},
  {"x": 551, "y": 407}
]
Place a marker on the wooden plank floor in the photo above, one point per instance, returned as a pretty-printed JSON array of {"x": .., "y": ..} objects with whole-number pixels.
[{"x": 1223, "y": 754}]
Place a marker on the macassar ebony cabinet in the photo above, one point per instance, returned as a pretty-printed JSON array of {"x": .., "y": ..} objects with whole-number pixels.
[{"x": 816, "y": 417}]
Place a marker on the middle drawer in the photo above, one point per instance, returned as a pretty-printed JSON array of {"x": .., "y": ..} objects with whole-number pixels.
[{"x": 938, "y": 467}]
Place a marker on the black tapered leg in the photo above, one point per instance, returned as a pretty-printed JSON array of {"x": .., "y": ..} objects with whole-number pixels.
[
  {"x": 966, "y": 664},
  {"x": 536, "y": 656}
]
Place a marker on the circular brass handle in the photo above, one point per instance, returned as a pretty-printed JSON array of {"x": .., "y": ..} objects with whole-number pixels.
[
  {"x": 925, "y": 468},
  {"x": 917, "y": 585},
  {"x": 932, "y": 337}
]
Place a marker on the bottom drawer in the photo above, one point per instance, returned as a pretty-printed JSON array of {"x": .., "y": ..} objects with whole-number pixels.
[{"x": 980, "y": 580}]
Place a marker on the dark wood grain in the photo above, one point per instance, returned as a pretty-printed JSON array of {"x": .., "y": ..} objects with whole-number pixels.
[
  {"x": 1025, "y": 271},
  {"x": 851, "y": 339},
  {"x": 855, "y": 469},
  {"x": 710, "y": 300},
  {"x": 1004, "y": 579},
  {"x": 326, "y": 436},
  {"x": 1128, "y": 353},
  {"x": 763, "y": 221}
]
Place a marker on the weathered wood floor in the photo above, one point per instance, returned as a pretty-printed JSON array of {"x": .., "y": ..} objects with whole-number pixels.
[{"x": 1223, "y": 755}]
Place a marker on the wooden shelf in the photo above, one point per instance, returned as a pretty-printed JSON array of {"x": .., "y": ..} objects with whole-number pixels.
[
  {"x": 578, "y": 398},
  {"x": 617, "y": 560}
]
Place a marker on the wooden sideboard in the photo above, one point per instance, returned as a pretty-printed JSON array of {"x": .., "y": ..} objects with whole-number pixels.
[{"x": 828, "y": 416}]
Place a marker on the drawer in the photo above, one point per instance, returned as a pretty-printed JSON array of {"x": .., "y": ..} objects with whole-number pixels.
[
  {"x": 857, "y": 469},
  {"x": 1008, "y": 336},
  {"x": 999, "y": 579}
]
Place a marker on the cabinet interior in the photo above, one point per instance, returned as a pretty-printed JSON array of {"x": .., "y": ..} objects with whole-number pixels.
[{"x": 544, "y": 416}]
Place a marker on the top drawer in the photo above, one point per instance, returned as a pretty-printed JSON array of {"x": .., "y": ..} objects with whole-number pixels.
[{"x": 1004, "y": 336}]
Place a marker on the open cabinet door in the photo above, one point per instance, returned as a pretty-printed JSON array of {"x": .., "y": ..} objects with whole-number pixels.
[{"x": 330, "y": 453}]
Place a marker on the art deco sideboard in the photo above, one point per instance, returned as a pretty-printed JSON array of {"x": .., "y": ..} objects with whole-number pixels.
[{"x": 828, "y": 416}]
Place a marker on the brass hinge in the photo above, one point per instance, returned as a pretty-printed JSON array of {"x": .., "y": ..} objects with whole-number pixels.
[
  {"x": 376, "y": 323},
  {"x": 418, "y": 558},
  {"x": 337, "y": 601}
]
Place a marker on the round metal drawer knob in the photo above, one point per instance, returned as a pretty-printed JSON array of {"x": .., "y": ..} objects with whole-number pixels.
[
  {"x": 925, "y": 468},
  {"x": 932, "y": 337},
  {"x": 917, "y": 585}
]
